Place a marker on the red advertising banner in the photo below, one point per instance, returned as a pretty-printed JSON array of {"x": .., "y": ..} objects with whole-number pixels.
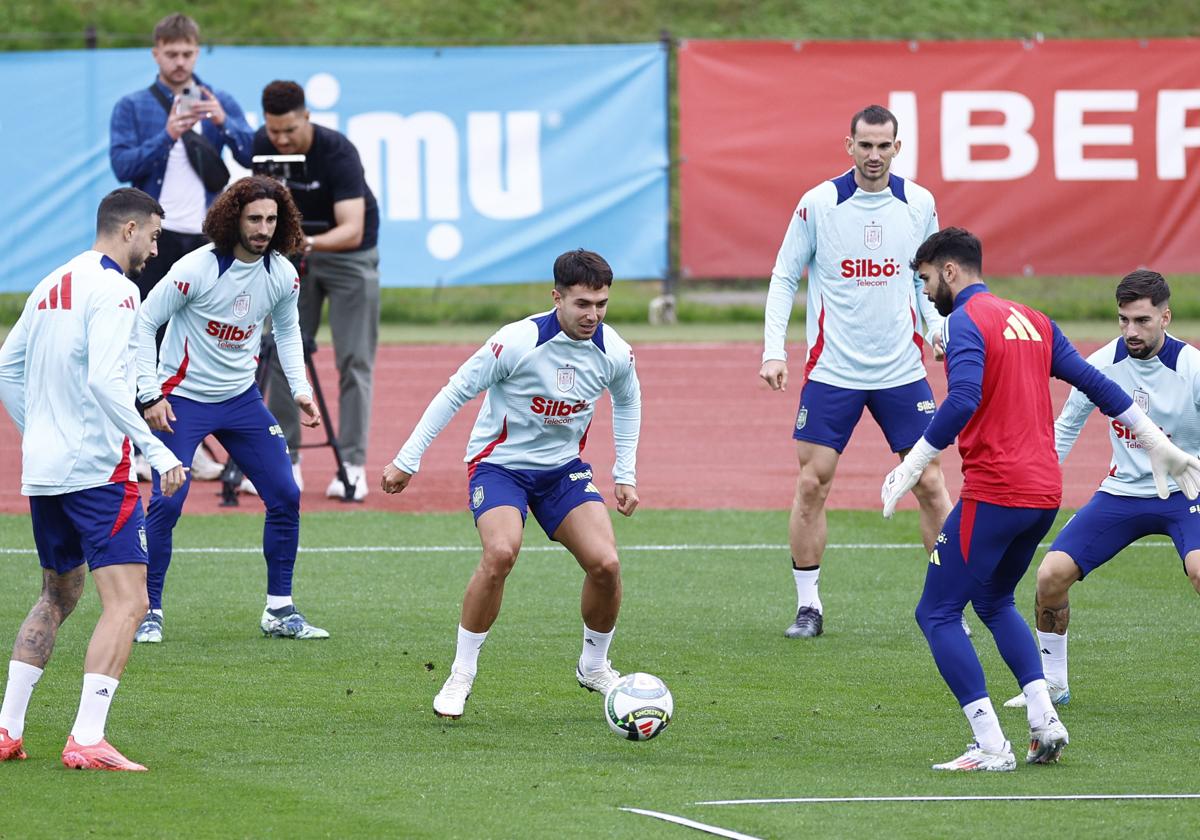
[{"x": 1065, "y": 157}]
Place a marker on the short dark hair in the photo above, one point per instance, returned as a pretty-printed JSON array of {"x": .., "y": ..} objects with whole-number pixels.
[
  {"x": 952, "y": 243},
  {"x": 580, "y": 267},
  {"x": 1143, "y": 283},
  {"x": 223, "y": 223},
  {"x": 875, "y": 115},
  {"x": 176, "y": 27},
  {"x": 282, "y": 97},
  {"x": 123, "y": 205}
]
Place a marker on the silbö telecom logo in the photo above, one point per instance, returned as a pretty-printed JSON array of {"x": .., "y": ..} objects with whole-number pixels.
[{"x": 415, "y": 166}]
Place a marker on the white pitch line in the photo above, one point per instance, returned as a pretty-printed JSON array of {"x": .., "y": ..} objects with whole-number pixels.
[
  {"x": 446, "y": 549},
  {"x": 811, "y": 800},
  {"x": 699, "y": 826}
]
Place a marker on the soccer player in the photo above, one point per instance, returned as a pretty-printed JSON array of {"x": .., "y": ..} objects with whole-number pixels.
[
  {"x": 1000, "y": 356},
  {"x": 66, "y": 379},
  {"x": 216, "y": 299},
  {"x": 856, "y": 234},
  {"x": 1163, "y": 374},
  {"x": 542, "y": 376}
]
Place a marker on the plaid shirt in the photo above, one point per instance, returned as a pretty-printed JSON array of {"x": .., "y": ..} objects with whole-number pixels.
[{"x": 139, "y": 143}]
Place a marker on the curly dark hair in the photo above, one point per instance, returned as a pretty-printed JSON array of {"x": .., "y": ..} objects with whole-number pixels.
[{"x": 222, "y": 224}]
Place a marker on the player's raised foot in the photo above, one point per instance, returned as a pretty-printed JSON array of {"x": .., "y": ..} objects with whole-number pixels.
[
  {"x": 357, "y": 476},
  {"x": 99, "y": 756},
  {"x": 10, "y": 748},
  {"x": 809, "y": 623},
  {"x": 150, "y": 630},
  {"x": 289, "y": 623},
  {"x": 1060, "y": 695},
  {"x": 599, "y": 679},
  {"x": 1046, "y": 742},
  {"x": 977, "y": 758},
  {"x": 452, "y": 699}
]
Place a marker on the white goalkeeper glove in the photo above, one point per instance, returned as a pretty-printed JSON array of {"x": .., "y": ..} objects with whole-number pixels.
[
  {"x": 902, "y": 479},
  {"x": 1166, "y": 459}
]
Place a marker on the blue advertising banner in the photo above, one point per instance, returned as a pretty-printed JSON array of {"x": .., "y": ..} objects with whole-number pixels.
[{"x": 487, "y": 162}]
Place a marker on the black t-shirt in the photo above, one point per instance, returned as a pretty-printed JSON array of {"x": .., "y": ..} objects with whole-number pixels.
[{"x": 334, "y": 173}]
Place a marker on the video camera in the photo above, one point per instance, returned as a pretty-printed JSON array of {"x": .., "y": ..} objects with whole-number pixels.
[{"x": 283, "y": 168}]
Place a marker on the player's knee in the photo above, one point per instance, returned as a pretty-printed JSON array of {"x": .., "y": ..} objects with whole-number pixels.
[
  {"x": 605, "y": 569},
  {"x": 1055, "y": 575},
  {"x": 498, "y": 560},
  {"x": 1194, "y": 576},
  {"x": 811, "y": 488}
]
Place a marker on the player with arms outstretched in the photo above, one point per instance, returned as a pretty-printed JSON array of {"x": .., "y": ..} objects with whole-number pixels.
[
  {"x": 543, "y": 376},
  {"x": 855, "y": 234},
  {"x": 1163, "y": 375},
  {"x": 216, "y": 299},
  {"x": 66, "y": 379},
  {"x": 1000, "y": 357}
]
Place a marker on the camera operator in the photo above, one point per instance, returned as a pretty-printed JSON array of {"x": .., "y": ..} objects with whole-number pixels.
[{"x": 340, "y": 262}]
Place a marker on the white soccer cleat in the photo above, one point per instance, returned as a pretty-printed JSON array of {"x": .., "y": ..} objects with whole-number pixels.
[
  {"x": 1046, "y": 742},
  {"x": 966, "y": 627},
  {"x": 357, "y": 476},
  {"x": 289, "y": 623},
  {"x": 452, "y": 699},
  {"x": 601, "y": 679},
  {"x": 977, "y": 758},
  {"x": 1059, "y": 696},
  {"x": 150, "y": 631},
  {"x": 204, "y": 466}
]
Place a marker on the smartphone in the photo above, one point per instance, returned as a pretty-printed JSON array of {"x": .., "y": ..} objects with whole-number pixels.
[{"x": 186, "y": 100}]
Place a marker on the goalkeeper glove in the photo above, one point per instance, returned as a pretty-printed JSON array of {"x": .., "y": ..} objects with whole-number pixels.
[
  {"x": 902, "y": 479},
  {"x": 1166, "y": 459}
]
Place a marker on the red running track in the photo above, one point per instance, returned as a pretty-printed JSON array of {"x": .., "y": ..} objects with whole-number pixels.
[{"x": 713, "y": 436}]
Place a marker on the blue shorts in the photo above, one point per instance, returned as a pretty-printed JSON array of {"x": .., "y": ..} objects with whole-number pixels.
[
  {"x": 550, "y": 494},
  {"x": 1108, "y": 524},
  {"x": 828, "y": 414},
  {"x": 102, "y": 526}
]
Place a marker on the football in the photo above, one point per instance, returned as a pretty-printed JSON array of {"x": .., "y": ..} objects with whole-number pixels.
[{"x": 638, "y": 707}]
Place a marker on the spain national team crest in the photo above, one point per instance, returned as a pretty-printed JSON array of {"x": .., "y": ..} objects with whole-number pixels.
[
  {"x": 566, "y": 378},
  {"x": 241, "y": 306},
  {"x": 873, "y": 236},
  {"x": 1142, "y": 399},
  {"x": 477, "y": 497}
]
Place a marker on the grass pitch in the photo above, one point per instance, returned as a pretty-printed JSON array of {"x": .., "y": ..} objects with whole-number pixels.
[{"x": 252, "y": 737}]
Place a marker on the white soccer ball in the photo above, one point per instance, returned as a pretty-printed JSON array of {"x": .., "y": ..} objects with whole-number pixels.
[{"x": 638, "y": 707}]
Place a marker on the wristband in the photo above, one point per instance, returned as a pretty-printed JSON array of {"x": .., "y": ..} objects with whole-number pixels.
[{"x": 143, "y": 407}]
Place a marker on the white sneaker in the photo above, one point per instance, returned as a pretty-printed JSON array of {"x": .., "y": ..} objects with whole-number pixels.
[
  {"x": 1060, "y": 695},
  {"x": 977, "y": 758},
  {"x": 1046, "y": 742},
  {"x": 357, "y": 476},
  {"x": 247, "y": 487},
  {"x": 142, "y": 467},
  {"x": 966, "y": 627},
  {"x": 599, "y": 680},
  {"x": 204, "y": 467},
  {"x": 452, "y": 699}
]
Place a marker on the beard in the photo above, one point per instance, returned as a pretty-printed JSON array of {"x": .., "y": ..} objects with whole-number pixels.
[
  {"x": 255, "y": 248},
  {"x": 1144, "y": 350},
  {"x": 943, "y": 300}
]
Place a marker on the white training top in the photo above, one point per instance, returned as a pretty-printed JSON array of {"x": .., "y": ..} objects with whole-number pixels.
[
  {"x": 542, "y": 388},
  {"x": 1166, "y": 386},
  {"x": 862, "y": 326},
  {"x": 216, "y": 305},
  {"x": 66, "y": 379}
]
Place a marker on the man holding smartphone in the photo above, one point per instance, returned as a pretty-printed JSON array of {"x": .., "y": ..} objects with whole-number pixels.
[{"x": 148, "y": 152}]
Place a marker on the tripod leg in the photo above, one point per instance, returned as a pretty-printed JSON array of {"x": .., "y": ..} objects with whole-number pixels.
[{"x": 330, "y": 436}]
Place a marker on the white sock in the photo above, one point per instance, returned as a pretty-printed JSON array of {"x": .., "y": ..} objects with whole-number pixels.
[
  {"x": 985, "y": 724},
  {"x": 595, "y": 649},
  {"x": 22, "y": 677},
  {"x": 98, "y": 691},
  {"x": 806, "y": 589},
  {"x": 466, "y": 655},
  {"x": 278, "y": 602},
  {"x": 1054, "y": 657},
  {"x": 1037, "y": 701}
]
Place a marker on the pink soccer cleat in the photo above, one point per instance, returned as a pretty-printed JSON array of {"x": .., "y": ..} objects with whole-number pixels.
[
  {"x": 10, "y": 748},
  {"x": 100, "y": 756}
]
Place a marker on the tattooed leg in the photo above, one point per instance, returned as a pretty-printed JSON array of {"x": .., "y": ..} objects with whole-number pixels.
[
  {"x": 1052, "y": 610},
  {"x": 60, "y": 594}
]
